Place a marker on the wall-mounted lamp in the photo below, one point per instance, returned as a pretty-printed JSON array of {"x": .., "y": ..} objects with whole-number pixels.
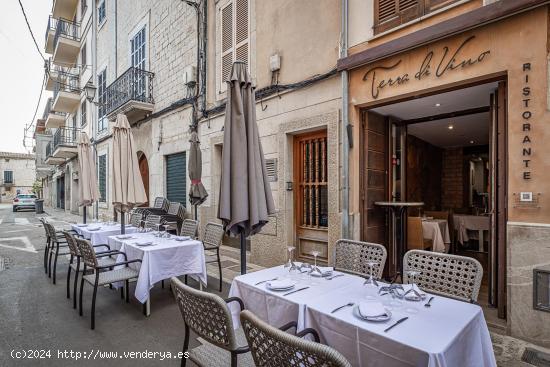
[
  {"x": 90, "y": 90},
  {"x": 289, "y": 186}
]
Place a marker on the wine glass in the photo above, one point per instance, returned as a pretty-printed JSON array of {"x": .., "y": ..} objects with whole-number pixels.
[
  {"x": 370, "y": 283},
  {"x": 413, "y": 293},
  {"x": 289, "y": 264}
]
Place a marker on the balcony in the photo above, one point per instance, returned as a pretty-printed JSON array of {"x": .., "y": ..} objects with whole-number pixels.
[
  {"x": 66, "y": 94},
  {"x": 130, "y": 94},
  {"x": 64, "y": 9},
  {"x": 53, "y": 118},
  {"x": 7, "y": 183},
  {"x": 66, "y": 43},
  {"x": 50, "y": 35},
  {"x": 50, "y": 159},
  {"x": 64, "y": 143}
]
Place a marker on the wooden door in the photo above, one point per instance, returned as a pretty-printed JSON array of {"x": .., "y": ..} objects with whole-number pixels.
[
  {"x": 144, "y": 172},
  {"x": 374, "y": 185},
  {"x": 311, "y": 194}
]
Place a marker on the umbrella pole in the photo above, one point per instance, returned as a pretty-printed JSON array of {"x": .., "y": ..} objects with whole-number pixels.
[
  {"x": 122, "y": 226},
  {"x": 84, "y": 215},
  {"x": 196, "y": 218},
  {"x": 243, "y": 254}
]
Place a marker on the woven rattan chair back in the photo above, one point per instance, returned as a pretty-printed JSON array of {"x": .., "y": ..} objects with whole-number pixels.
[
  {"x": 352, "y": 257},
  {"x": 189, "y": 228},
  {"x": 87, "y": 252},
  {"x": 213, "y": 235},
  {"x": 271, "y": 347},
  {"x": 453, "y": 276},
  {"x": 71, "y": 242},
  {"x": 135, "y": 219},
  {"x": 51, "y": 232},
  {"x": 176, "y": 209},
  {"x": 161, "y": 203},
  {"x": 206, "y": 314},
  {"x": 152, "y": 221}
]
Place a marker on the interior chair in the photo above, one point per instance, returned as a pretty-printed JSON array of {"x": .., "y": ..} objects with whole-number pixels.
[
  {"x": 212, "y": 240},
  {"x": 272, "y": 347},
  {"x": 102, "y": 274},
  {"x": 189, "y": 228},
  {"x": 453, "y": 276},
  {"x": 74, "y": 262},
  {"x": 415, "y": 235},
  {"x": 352, "y": 257},
  {"x": 208, "y": 316}
]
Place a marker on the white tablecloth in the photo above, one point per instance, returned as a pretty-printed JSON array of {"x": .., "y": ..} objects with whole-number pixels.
[
  {"x": 436, "y": 230},
  {"x": 450, "y": 333},
  {"x": 101, "y": 236},
  {"x": 465, "y": 223},
  {"x": 168, "y": 258}
]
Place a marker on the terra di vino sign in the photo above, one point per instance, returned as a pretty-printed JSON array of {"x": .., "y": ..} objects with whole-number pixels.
[{"x": 432, "y": 64}]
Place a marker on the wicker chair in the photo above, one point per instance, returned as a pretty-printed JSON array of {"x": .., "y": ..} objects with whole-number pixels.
[
  {"x": 352, "y": 256},
  {"x": 47, "y": 247},
  {"x": 152, "y": 221},
  {"x": 208, "y": 316},
  {"x": 272, "y": 347},
  {"x": 189, "y": 228},
  {"x": 160, "y": 206},
  {"x": 74, "y": 262},
  {"x": 212, "y": 240},
  {"x": 58, "y": 246},
  {"x": 101, "y": 274},
  {"x": 174, "y": 216},
  {"x": 458, "y": 277},
  {"x": 135, "y": 219}
]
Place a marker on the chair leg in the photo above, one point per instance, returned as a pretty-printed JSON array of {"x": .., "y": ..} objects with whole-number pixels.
[
  {"x": 92, "y": 326},
  {"x": 46, "y": 252},
  {"x": 50, "y": 264},
  {"x": 185, "y": 345},
  {"x": 220, "y": 268},
  {"x": 81, "y": 289},
  {"x": 69, "y": 282},
  {"x": 127, "y": 290},
  {"x": 55, "y": 263},
  {"x": 162, "y": 283},
  {"x": 76, "y": 281},
  {"x": 186, "y": 279},
  {"x": 233, "y": 359}
]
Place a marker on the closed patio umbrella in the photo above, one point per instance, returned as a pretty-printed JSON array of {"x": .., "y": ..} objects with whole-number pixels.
[
  {"x": 245, "y": 196},
  {"x": 87, "y": 183},
  {"x": 197, "y": 192},
  {"x": 128, "y": 190}
]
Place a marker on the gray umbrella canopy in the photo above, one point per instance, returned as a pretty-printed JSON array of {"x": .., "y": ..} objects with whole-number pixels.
[
  {"x": 128, "y": 190},
  {"x": 87, "y": 183},
  {"x": 197, "y": 192},
  {"x": 245, "y": 196}
]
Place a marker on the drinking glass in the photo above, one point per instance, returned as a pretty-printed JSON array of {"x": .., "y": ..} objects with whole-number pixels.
[
  {"x": 371, "y": 287},
  {"x": 158, "y": 230},
  {"x": 412, "y": 294},
  {"x": 289, "y": 264}
]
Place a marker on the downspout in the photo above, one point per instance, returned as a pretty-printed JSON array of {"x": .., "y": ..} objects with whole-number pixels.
[
  {"x": 116, "y": 39},
  {"x": 344, "y": 124},
  {"x": 94, "y": 76}
]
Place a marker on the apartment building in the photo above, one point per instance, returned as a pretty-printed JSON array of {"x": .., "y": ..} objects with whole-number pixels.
[
  {"x": 17, "y": 175},
  {"x": 69, "y": 40},
  {"x": 447, "y": 100}
]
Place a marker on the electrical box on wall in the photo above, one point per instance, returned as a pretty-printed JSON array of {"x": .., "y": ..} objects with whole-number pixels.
[
  {"x": 274, "y": 62},
  {"x": 190, "y": 75}
]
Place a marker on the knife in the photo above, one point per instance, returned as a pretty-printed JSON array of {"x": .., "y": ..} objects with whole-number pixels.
[
  {"x": 397, "y": 323},
  {"x": 265, "y": 281},
  {"x": 297, "y": 290}
]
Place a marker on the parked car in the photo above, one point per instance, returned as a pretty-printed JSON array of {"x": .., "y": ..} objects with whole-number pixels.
[{"x": 27, "y": 201}]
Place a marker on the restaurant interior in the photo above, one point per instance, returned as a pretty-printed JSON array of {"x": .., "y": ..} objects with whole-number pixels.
[{"x": 439, "y": 153}]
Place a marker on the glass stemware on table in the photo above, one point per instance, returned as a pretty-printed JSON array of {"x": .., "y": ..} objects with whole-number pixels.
[{"x": 370, "y": 283}]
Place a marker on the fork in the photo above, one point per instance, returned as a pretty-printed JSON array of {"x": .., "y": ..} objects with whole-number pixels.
[{"x": 339, "y": 308}]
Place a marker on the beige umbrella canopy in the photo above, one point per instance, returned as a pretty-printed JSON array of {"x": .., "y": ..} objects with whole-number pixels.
[
  {"x": 197, "y": 192},
  {"x": 87, "y": 183},
  {"x": 128, "y": 190},
  {"x": 245, "y": 196}
]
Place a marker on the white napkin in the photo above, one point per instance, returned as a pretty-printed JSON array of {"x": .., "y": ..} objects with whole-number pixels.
[
  {"x": 143, "y": 243},
  {"x": 94, "y": 228},
  {"x": 124, "y": 236},
  {"x": 82, "y": 225},
  {"x": 281, "y": 283},
  {"x": 371, "y": 309},
  {"x": 326, "y": 269},
  {"x": 182, "y": 238}
]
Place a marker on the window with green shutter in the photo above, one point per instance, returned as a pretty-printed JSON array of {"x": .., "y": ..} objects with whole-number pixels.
[
  {"x": 176, "y": 178},
  {"x": 8, "y": 177},
  {"x": 102, "y": 177}
]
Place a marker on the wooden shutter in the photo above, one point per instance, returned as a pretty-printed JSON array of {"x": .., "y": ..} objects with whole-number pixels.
[
  {"x": 176, "y": 178},
  {"x": 432, "y": 5},
  {"x": 391, "y": 13},
  {"x": 234, "y": 37},
  {"x": 102, "y": 177}
]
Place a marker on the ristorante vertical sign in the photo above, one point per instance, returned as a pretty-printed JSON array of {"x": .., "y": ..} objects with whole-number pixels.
[
  {"x": 526, "y": 114},
  {"x": 433, "y": 64}
]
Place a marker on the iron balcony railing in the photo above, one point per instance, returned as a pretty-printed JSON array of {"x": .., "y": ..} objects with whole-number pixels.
[
  {"x": 52, "y": 22},
  {"x": 66, "y": 82},
  {"x": 134, "y": 85},
  {"x": 49, "y": 110},
  {"x": 49, "y": 149},
  {"x": 61, "y": 71},
  {"x": 66, "y": 28},
  {"x": 65, "y": 136}
]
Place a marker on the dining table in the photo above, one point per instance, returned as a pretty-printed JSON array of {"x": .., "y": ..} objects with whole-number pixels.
[
  {"x": 477, "y": 223},
  {"x": 100, "y": 236},
  {"x": 437, "y": 230},
  {"x": 161, "y": 258},
  {"x": 448, "y": 333}
]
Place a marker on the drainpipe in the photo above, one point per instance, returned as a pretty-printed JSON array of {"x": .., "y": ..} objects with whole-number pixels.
[
  {"x": 344, "y": 124},
  {"x": 94, "y": 114}
]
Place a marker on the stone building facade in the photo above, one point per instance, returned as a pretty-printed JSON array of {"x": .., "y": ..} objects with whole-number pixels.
[{"x": 17, "y": 172}]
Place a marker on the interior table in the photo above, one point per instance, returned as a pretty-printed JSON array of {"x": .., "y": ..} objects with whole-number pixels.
[
  {"x": 164, "y": 259},
  {"x": 398, "y": 209},
  {"x": 437, "y": 230},
  {"x": 464, "y": 223}
]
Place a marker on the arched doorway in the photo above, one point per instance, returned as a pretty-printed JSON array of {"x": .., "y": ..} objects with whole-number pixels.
[{"x": 144, "y": 171}]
